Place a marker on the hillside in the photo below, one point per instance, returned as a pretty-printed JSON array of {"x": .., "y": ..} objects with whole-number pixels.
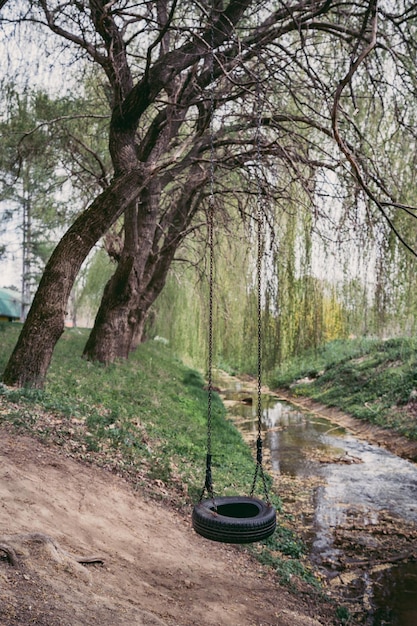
[
  {"x": 371, "y": 380},
  {"x": 99, "y": 473}
]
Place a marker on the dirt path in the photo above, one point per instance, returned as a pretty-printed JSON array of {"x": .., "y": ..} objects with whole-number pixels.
[{"x": 155, "y": 570}]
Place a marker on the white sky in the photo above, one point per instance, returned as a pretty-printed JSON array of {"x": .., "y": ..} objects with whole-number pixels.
[
  {"x": 25, "y": 62},
  {"x": 11, "y": 236}
]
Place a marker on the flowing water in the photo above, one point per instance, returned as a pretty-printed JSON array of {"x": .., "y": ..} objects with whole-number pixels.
[{"x": 362, "y": 485}]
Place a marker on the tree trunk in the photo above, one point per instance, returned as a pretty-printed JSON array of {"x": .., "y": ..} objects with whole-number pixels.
[
  {"x": 142, "y": 270},
  {"x": 31, "y": 357},
  {"x": 120, "y": 322},
  {"x": 120, "y": 309},
  {"x": 111, "y": 335}
]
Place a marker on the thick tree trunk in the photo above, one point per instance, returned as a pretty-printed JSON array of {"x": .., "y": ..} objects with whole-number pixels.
[
  {"x": 142, "y": 271},
  {"x": 31, "y": 357},
  {"x": 110, "y": 337},
  {"x": 120, "y": 322},
  {"x": 120, "y": 307}
]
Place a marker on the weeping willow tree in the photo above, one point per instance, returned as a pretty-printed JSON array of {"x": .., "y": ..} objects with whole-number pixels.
[
  {"x": 181, "y": 314},
  {"x": 301, "y": 308},
  {"x": 395, "y": 304},
  {"x": 172, "y": 71},
  {"x": 298, "y": 310},
  {"x": 315, "y": 289},
  {"x": 371, "y": 262},
  {"x": 332, "y": 267},
  {"x": 176, "y": 72}
]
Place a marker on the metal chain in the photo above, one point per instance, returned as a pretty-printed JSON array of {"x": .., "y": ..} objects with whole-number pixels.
[
  {"x": 208, "y": 485},
  {"x": 259, "y": 242},
  {"x": 209, "y": 482}
]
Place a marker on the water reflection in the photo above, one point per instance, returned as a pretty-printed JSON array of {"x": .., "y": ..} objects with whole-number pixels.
[
  {"x": 395, "y": 596},
  {"x": 377, "y": 481}
]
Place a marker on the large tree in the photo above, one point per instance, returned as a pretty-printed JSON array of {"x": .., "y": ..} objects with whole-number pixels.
[{"x": 199, "y": 93}]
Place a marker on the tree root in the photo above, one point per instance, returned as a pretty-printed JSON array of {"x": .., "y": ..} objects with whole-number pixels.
[
  {"x": 369, "y": 563},
  {"x": 54, "y": 548},
  {"x": 10, "y": 554}
]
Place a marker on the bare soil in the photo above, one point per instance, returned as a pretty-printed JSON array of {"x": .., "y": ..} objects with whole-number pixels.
[{"x": 79, "y": 546}]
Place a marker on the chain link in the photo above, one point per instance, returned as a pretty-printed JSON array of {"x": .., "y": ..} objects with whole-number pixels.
[
  {"x": 208, "y": 485},
  {"x": 259, "y": 241}
]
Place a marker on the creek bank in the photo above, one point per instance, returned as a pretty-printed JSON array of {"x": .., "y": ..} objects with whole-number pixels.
[
  {"x": 376, "y": 435},
  {"x": 367, "y": 547}
]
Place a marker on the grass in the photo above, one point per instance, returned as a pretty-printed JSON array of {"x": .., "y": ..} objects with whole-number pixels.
[
  {"x": 372, "y": 380},
  {"x": 145, "y": 418}
]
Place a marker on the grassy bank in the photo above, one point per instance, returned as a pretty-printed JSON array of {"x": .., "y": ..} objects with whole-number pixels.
[
  {"x": 372, "y": 380},
  {"x": 145, "y": 419}
]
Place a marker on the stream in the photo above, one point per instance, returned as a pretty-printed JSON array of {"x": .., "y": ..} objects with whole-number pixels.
[{"x": 362, "y": 526}]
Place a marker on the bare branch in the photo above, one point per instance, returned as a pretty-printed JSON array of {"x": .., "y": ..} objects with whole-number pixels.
[{"x": 372, "y": 11}]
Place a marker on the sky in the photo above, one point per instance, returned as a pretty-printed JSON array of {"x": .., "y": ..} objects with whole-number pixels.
[
  {"x": 11, "y": 237},
  {"x": 25, "y": 63}
]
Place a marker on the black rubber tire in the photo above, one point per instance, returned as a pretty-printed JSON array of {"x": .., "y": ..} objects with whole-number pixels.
[{"x": 238, "y": 519}]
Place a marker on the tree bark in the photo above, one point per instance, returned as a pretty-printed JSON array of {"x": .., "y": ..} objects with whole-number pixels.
[
  {"x": 120, "y": 308},
  {"x": 120, "y": 322},
  {"x": 31, "y": 357},
  {"x": 142, "y": 270},
  {"x": 110, "y": 336}
]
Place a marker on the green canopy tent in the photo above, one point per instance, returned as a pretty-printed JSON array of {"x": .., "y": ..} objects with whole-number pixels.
[{"x": 10, "y": 305}]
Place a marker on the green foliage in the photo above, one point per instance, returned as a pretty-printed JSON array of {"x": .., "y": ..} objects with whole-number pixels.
[
  {"x": 285, "y": 568},
  {"x": 287, "y": 543},
  {"x": 311, "y": 362},
  {"x": 51, "y": 164},
  {"x": 182, "y": 311},
  {"x": 89, "y": 286},
  {"x": 343, "y": 614},
  {"x": 9, "y": 334},
  {"x": 193, "y": 378},
  {"x": 298, "y": 310}
]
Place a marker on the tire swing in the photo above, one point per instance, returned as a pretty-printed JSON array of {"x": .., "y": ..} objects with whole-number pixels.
[{"x": 234, "y": 519}]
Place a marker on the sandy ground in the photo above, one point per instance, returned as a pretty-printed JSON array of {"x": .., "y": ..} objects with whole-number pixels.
[{"x": 155, "y": 570}]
